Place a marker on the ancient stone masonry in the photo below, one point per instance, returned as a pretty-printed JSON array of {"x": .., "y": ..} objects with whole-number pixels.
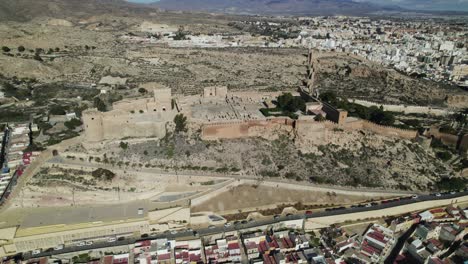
[
  {"x": 146, "y": 117},
  {"x": 305, "y": 130},
  {"x": 460, "y": 142},
  {"x": 254, "y": 128}
]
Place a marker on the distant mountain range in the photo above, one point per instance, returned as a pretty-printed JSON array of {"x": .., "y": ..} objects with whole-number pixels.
[
  {"x": 22, "y": 10},
  {"x": 277, "y": 7}
]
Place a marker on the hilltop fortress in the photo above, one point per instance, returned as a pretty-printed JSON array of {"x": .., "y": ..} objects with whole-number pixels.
[
  {"x": 220, "y": 114},
  {"x": 146, "y": 117}
]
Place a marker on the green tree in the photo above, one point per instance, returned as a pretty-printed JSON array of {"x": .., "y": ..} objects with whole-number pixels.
[
  {"x": 329, "y": 97},
  {"x": 284, "y": 99},
  {"x": 181, "y": 123},
  {"x": 142, "y": 90},
  {"x": 180, "y": 35},
  {"x": 99, "y": 104},
  {"x": 37, "y": 57},
  {"x": 319, "y": 118},
  {"x": 73, "y": 123},
  {"x": 57, "y": 110},
  {"x": 5, "y": 49},
  {"x": 21, "y": 48},
  {"x": 289, "y": 103},
  {"x": 381, "y": 117},
  {"x": 444, "y": 155},
  {"x": 123, "y": 145}
]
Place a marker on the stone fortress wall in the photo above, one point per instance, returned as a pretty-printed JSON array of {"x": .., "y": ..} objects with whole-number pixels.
[
  {"x": 407, "y": 109},
  {"x": 146, "y": 117},
  {"x": 249, "y": 128},
  {"x": 314, "y": 131},
  {"x": 460, "y": 142}
]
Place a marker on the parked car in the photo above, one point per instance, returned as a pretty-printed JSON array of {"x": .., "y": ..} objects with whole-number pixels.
[
  {"x": 415, "y": 197},
  {"x": 227, "y": 224},
  {"x": 437, "y": 195},
  {"x": 173, "y": 232},
  {"x": 308, "y": 212},
  {"x": 111, "y": 239},
  {"x": 212, "y": 227},
  {"x": 59, "y": 247},
  {"x": 36, "y": 251},
  {"x": 276, "y": 217},
  {"x": 89, "y": 243},
  {"x": 368, "y": 205},
  {"x": 81, "y": 243}
]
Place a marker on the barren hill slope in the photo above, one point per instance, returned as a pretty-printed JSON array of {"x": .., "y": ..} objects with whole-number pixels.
[
  {"x": 285, "y": 7},
  {"x": 21, "y": 10}
]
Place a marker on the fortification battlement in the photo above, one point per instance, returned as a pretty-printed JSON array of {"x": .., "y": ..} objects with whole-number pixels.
[{"x": 402, "y": 130}]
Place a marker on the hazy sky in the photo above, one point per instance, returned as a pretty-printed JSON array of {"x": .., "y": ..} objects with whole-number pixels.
[{"x": 458, "y": 5}]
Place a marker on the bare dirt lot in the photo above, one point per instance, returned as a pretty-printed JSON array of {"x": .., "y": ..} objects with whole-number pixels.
[
  {"x": 66, "y": 186},
  {"x": 246, "y": 197}
]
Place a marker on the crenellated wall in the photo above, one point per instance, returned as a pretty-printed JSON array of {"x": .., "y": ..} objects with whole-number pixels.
[
  {"x": 389, "y": 131},
  {"x": 316, "y": 132}
]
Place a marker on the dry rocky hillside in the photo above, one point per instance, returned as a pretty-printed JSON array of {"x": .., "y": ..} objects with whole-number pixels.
[
  {"x": 357, "y": 159},
  {"x": 357, "y": 78},
  {"x": 87, "y": 47}
]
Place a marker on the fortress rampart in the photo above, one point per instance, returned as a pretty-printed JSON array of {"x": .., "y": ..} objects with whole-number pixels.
[
  {"x": 458, "y": 141},
  {"x": 310, "y": 129}
]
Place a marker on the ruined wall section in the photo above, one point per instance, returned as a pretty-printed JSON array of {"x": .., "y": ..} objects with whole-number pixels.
[{"x": 268, "y": 128}]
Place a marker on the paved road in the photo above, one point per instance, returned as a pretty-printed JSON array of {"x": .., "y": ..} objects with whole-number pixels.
[{"x": 252, "y": 224}]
